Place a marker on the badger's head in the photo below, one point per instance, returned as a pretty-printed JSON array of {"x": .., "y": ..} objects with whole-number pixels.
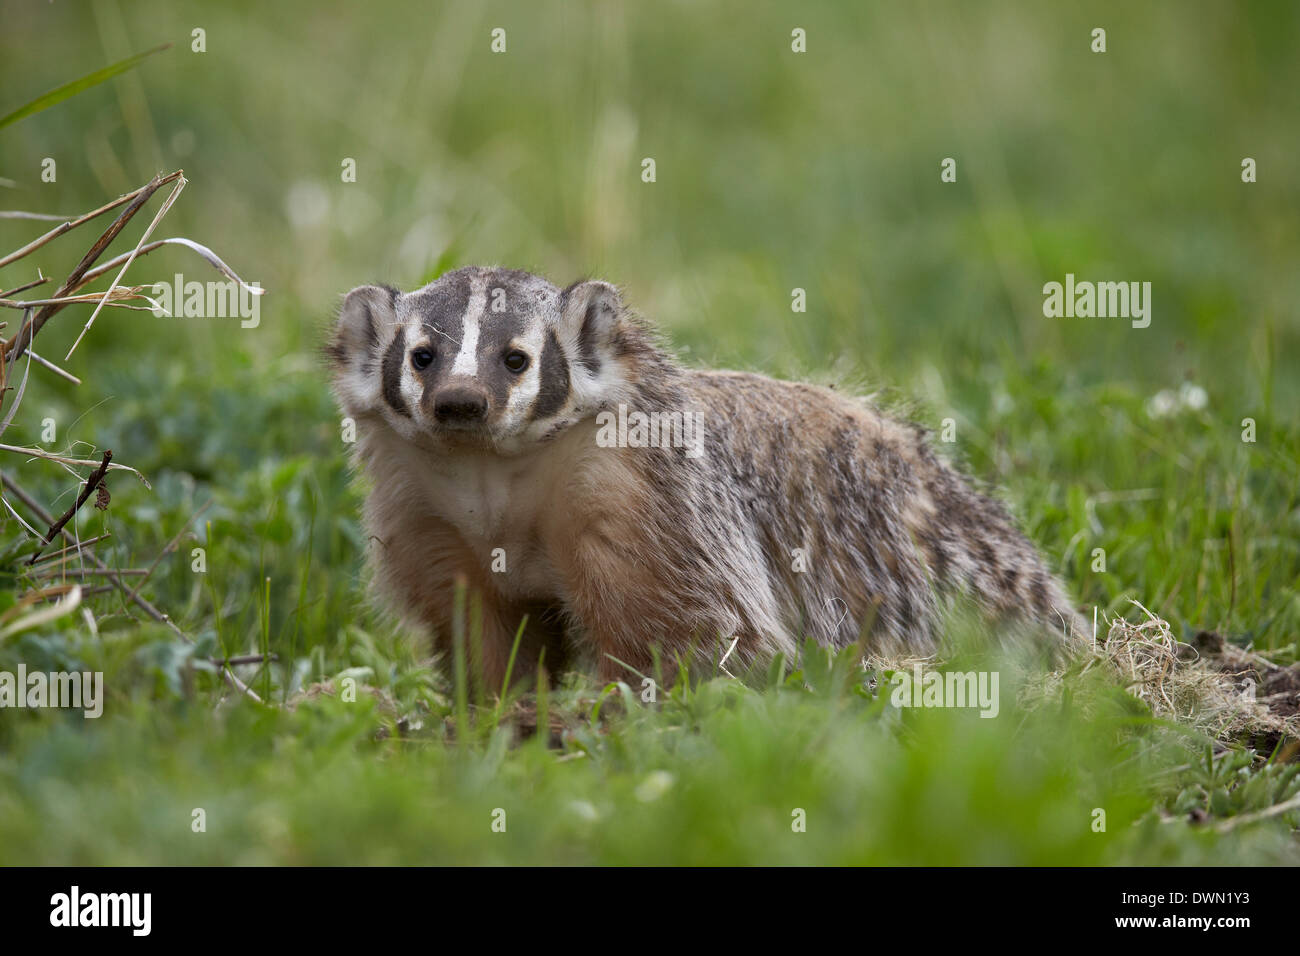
[{"x": 493, "y": 358}]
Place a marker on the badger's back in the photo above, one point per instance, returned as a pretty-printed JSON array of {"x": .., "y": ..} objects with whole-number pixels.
[{"x": 860, "y": 522}]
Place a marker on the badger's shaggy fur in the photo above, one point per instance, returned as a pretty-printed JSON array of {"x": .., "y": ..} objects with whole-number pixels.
[{"x": 488, "y": 407}]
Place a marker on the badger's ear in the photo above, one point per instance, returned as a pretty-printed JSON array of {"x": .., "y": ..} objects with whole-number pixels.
[
  {"x": 591, "y": 314},
  {"x": 368, "y": 311},
  {"x": 364, "y": 329}
]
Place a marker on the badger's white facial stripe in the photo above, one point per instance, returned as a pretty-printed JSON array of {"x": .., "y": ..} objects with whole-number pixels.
[
  {"x": 524, "y": 391},
  {"x": 412, "y": 388},
  {"x": 467, "y": 358}
]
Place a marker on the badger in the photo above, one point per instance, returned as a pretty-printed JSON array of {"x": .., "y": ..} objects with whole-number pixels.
[{"x": 504, "y": 427}]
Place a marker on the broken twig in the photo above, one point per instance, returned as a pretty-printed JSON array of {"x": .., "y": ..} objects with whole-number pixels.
[{"x": 91, "y": 483}]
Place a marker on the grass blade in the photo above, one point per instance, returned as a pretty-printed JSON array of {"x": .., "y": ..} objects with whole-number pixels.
[{"x": 68, "y": 90}]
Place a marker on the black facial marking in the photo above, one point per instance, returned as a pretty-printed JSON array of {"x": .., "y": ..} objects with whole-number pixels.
[
  {"x": 392, "y": 372},
  {"x": 552, "y": 379},
  {"x": 372, "y": 337},
  {"x": 588, "y": 338}
]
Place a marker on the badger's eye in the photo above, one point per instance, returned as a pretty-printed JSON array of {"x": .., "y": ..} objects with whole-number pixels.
[
  {"x": 420, "y": 358},
  {"x": 516, "y": 361}
]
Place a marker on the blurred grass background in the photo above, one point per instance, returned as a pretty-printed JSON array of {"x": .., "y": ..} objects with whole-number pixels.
[{"x": 775, "y": 170}]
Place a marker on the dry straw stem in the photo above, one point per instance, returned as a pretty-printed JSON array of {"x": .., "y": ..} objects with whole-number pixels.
[
  {"x": 62, "y": 373},
  {"x": 4, "y": 385},
  {"x": 208, "y": 255},
  {"x": 15, "y": 347},
  {"x": 25, "y": 286},
  {"x": 35, "y": 597},
  {"x": 84, "y": 273},
  {"x": 71, "y": 595},
  {"x": 79, "y": 221},
  {"x": 40, "y": 216},
  {"x": 116, "y": 296},
  {"x": 50, "y": 456},
  {"x": 162, "y": 211},
  {"x": 57, "y": 572},
  {"x": 73, "y": 548}
]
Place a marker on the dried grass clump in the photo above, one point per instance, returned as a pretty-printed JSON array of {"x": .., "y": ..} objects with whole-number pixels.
[{"x": 1213, "y": 687}]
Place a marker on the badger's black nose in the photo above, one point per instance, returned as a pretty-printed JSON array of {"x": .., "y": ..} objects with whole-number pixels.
[{"x": 460, "y": 406}]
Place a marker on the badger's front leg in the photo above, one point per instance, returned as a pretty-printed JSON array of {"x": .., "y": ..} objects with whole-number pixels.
[
  {"x": 621, "y": 609},
  {"x": 623, "y": 594},
  {"x": 421, "y": 562}
]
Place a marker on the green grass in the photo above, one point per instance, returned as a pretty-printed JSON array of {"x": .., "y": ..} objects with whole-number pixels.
[
  {"x": 775, "y": 171},
  {"x": 714, "y": 774}
]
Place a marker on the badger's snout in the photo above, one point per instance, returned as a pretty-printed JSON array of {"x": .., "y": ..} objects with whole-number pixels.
[{"x": 460, "y": 405}]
